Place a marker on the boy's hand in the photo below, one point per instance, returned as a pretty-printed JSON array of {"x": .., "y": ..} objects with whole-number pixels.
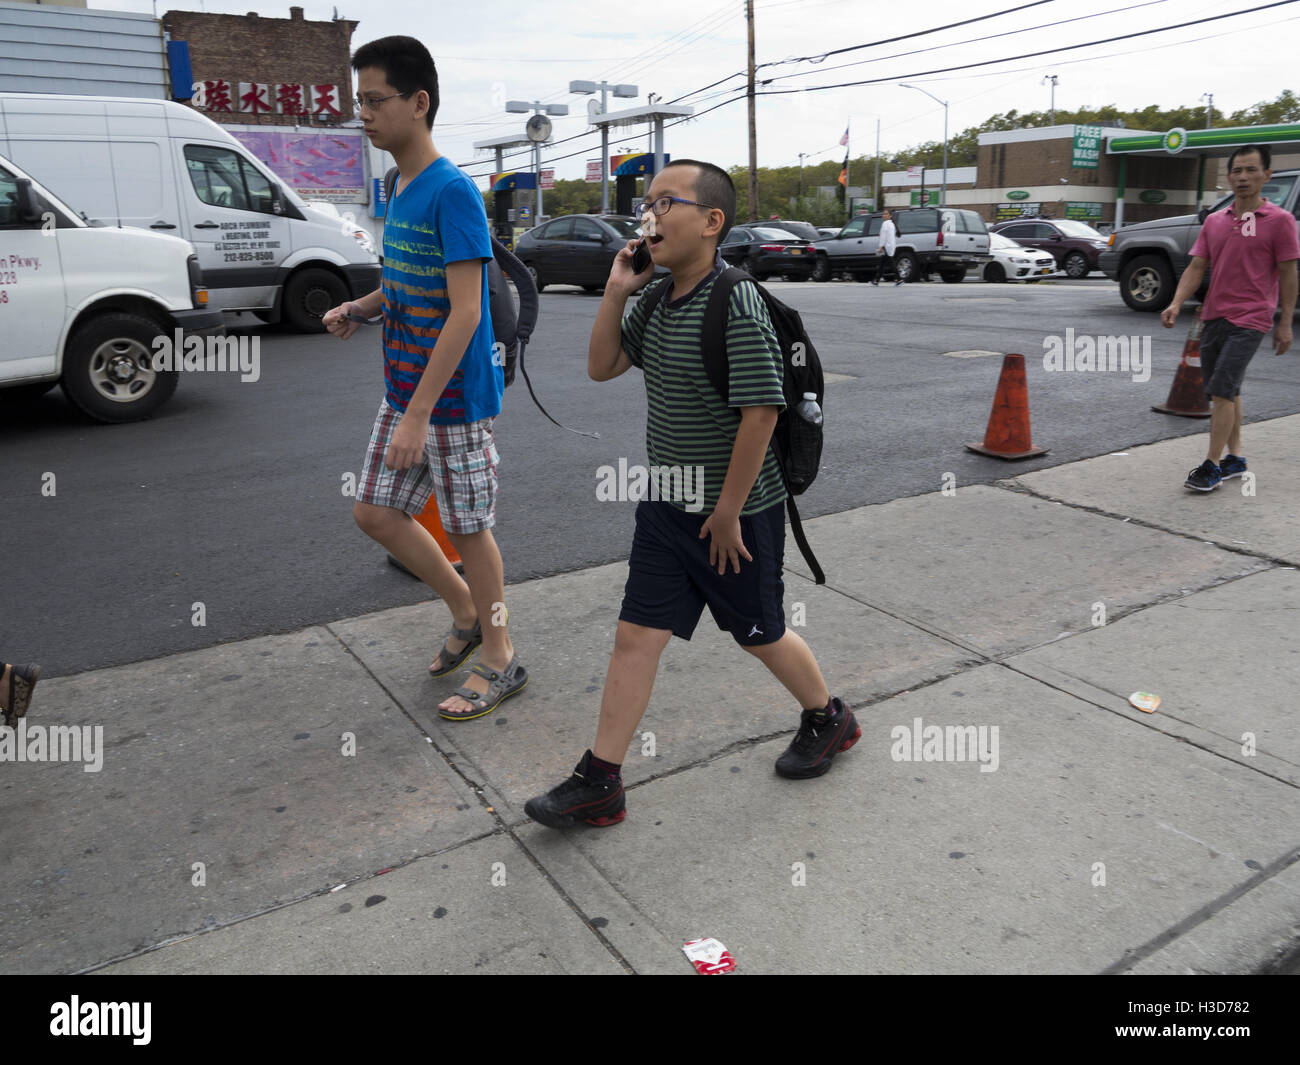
[
  {"x": 621, "y": 278},
  {"x": 336, "y": 322},
  {"x": 726, "y": 544},
  {"x": 406, "y": 447}
]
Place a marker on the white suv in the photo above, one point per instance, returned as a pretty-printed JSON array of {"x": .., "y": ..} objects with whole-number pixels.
[{"x": 81, "y": 305}]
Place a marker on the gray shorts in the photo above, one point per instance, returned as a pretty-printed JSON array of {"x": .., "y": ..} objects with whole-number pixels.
[{"x": 1226, "y": 350}]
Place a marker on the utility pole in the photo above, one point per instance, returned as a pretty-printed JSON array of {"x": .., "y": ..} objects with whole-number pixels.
[
  {"x": 753, "y": 133},
  {"x": 1052, "y": 79},
  {"x": 802, "y": 157},
  {"x": 879, "y": 205},
  {"x": 1208, "y": 97}
]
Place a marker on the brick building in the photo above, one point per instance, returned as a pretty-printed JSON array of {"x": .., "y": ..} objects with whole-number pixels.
[{"x": 268, "y": 71}]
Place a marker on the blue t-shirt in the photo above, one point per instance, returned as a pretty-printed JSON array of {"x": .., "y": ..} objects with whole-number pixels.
[{"x": 437, "y": 219}]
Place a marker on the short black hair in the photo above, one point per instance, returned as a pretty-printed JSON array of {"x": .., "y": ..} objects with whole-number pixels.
[
  {"x": 713, "y": 186},
  {"x": 407, "y": 66},
  {"x": 1265, "y": 155}
]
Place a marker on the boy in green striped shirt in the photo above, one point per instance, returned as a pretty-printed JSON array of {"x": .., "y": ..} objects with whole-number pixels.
[{"x": 726, "y": 554}]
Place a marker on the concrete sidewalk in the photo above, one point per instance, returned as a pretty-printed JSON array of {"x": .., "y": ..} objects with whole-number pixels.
[{"x": 1082, "y": 836}]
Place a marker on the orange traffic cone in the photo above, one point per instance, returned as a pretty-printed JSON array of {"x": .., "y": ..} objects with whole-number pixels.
[
  {"x": 1007, "y": 436},
  {"x": 428, "y": 517},
  {"x": 1187, "y": 393}
]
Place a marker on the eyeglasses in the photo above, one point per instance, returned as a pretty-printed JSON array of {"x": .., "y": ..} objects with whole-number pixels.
[
  {"x": 373, "y": 102},
  {"x": 664, "y": 204}
]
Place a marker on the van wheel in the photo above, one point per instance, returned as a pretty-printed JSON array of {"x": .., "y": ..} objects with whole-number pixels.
[
  {"x": 108, "y": 368},
  {"x": 905, "y": 266},
  {"x": 822, "y": 269},
  {"x": 308, "y": 294}
]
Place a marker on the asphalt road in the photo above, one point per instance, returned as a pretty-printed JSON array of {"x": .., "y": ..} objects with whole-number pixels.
[{"x": 232, "y": 495}]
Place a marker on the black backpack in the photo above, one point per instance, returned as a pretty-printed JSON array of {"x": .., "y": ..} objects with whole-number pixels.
[
  {"x": 796, "y": 442},
  {"x": 510, "y": 327}
]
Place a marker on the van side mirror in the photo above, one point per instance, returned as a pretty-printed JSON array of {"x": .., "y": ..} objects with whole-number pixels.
[
  {"x": 1202, "y": 215},
  {"x": 28, "y": 209},
  {"x": 277, "y": 201}
]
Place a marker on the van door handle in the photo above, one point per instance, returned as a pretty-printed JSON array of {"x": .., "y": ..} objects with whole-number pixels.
[
  {"x": 206, "y": 225},
  {"x": 162, "y": 225}
]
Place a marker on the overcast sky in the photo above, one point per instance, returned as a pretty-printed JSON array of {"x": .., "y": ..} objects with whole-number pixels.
[{"x": 490, "y": 51}]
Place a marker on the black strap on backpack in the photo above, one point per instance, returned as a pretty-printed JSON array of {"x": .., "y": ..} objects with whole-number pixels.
[
  {"x": 714, "y": 346},
  {"x": 505, "y": 264}
]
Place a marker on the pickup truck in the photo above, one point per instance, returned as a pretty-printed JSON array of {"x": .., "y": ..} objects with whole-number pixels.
[
  {"x": 1148, "y": 258},
  {"x": 945, "y": 240},
  {"x": 82, "y": 305}
]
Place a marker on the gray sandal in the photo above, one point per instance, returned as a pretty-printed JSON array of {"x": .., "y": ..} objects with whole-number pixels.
[
  {"x": 449, "y": 661},
  {"x": 501, "y": 685}
]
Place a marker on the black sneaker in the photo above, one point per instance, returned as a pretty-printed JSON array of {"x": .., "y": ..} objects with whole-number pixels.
[
  {"x": 580, "y": 800},
  {"x": 820, "y": 738},
  {"x": 1205, "y": 478},
  {"x": 1232, "y": 466}
]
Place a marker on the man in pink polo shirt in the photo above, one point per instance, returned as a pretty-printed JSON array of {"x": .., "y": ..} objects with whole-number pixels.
[{"x": 1253, "y": 248}]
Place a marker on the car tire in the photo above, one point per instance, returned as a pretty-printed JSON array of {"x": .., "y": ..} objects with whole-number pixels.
[
  {"x": 906, "y": 267},
  {"x": 953, "y": 277},
  {"x": 538, "y": 283},
  {"x": 753, "y": 271},
  {"x": 1076, "y": 266},
  {"x": 794, "y": 277},
  {"x": 308, "y": 294},
  {"x": 822, "y": 269},
  {"x": 994, "y": 273},
  {"x": 1146, "y": 283},
  {"x": 108, "y": 368}
]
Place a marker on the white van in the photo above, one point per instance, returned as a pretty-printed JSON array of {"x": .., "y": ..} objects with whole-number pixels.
[
  {"x": 158, "y": 165},
  {"x": 82, "y": 305}
]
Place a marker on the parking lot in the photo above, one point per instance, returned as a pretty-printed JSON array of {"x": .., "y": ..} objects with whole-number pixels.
[{"x": 233, "y": 494}]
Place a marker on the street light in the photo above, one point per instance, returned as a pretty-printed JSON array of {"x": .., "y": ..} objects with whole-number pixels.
[
  {"x": 588, "y": 88},
  {"x": 538, "y": 130},
  {"x": 943, "y": 189}
]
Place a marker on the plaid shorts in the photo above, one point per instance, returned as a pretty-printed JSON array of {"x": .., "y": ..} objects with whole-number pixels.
[{"x": 459, "y": 469}]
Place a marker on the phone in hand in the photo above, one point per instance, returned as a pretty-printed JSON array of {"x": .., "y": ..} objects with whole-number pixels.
[
  {"x": 641, "y": 260},
  {"x": 364, "y": 321}
]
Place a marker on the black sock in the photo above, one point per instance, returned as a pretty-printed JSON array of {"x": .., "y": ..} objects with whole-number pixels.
[{"x": 599, "y": 770}]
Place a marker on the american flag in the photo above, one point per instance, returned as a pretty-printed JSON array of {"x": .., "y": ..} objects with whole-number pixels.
[{"x": 845, "y": 139}]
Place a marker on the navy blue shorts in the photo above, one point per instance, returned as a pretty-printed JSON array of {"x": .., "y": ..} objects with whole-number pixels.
[{"x": 670, "y": 580}]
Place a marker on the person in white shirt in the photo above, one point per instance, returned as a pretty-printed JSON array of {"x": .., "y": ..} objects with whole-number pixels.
[{"x": 888, "y": 242}]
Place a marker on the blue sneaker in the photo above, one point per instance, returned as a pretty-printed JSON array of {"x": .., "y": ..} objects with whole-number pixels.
[
  {"x": 1232, "y": 466},
  {"x": 1205, "y": 478}
]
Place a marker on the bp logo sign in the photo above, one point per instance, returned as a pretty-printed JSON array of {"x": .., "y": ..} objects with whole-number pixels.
[
  {"x": 1174, "y": 141},
  {"x": 1017, "y": 194}
]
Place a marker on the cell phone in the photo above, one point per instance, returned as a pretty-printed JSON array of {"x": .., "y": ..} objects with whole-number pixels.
[
  {"x": 641, "y": 258},
  {"x": 364, "y": 321}
]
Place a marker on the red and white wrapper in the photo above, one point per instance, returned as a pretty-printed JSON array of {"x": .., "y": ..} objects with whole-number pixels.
[{"x": 709, "y": 957}]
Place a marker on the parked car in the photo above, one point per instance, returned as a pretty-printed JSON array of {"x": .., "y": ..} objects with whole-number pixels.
[
  {"x": 83, "y": 305},
  {"x": 576, "y": 249},
  {"x": 1148, "y": 258},
  {"x": 1014, "y": 262},
  {"x": 160, "y": 166},
  {"x": 763, "y": 252},
  {"x": 946, "y": 240},
  {"x": 1075, "y": 245},
  {"x": 804, "y": 230}
]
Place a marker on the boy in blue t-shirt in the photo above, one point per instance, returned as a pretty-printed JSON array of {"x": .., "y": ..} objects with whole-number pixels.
[{"x": 433, "y": 432}]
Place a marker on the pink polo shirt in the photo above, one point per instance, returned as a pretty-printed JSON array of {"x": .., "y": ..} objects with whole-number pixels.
[{"x": 1243, "y": 254}]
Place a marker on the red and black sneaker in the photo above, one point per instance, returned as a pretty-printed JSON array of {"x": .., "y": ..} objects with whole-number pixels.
[
  {"x": 580, "y": 800},
  {"x": 822, "y": 735}
]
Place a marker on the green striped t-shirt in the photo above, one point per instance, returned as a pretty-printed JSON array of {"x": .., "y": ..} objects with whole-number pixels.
[{"x": 688, "y": 424}]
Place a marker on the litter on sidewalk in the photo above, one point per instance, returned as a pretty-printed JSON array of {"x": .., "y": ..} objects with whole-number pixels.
[
  {"x": 1145, "y": 701},
  {"x": 709, "y": 957}
]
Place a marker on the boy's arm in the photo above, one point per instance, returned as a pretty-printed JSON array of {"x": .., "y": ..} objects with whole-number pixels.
[
  {"x": 747, "y": 455},
  {"x": 464, "y": 291},
  {"x": 1187, "y": 284},
  {"x": 606, "y": 358},
  {"x": 1288, "y": 284}
]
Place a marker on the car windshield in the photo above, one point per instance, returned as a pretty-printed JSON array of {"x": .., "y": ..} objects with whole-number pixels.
[
  {"x": 997, "y": 240},
  {"x": 1072, "y": 228},
  {"x": 1275, "y": 191},
  {"x": 624, "y": 227},
  {"x": 764, "y": 233}
]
